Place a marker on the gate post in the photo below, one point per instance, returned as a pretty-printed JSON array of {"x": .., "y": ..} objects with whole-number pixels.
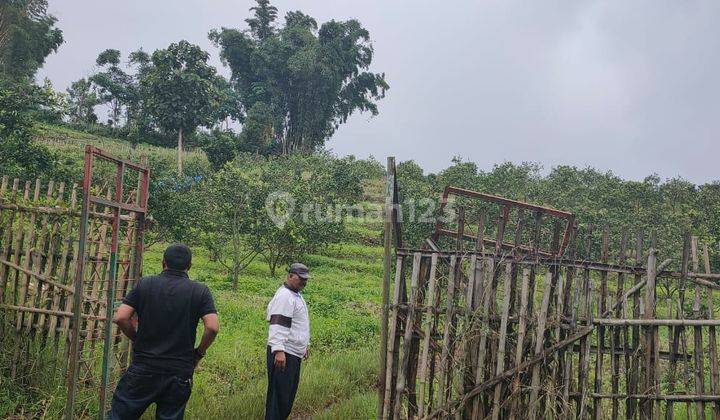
[
  {"x": 387, "y": 267},
  {"x": 78, "y": 289},
  {"x": 650, "y": 332}
]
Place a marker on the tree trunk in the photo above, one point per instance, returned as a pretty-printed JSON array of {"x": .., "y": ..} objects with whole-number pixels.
[
  {"x": 235, "y": 275},
  {"x": 180, "y": 152}
]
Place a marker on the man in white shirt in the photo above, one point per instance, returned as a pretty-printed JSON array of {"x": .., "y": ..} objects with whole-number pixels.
[{"x": 288, "y": 340}]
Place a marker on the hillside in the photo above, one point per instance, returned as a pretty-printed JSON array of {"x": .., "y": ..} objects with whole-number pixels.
[{"x": 343, "y": 297}]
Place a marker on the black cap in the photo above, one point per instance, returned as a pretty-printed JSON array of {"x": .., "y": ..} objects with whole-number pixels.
[{"x": 299, "y": 269}]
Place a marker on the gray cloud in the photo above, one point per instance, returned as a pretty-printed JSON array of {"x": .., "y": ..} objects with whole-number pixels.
[{"x": 624, "y": 86}]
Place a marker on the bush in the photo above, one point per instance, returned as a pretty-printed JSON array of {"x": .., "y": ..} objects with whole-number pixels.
[
  {"x": 20, "y": 155},
  {"x": 220, "y": 146}
]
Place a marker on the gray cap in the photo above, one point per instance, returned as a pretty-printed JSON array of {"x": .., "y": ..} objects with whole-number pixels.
[{"x": 299, "y": 269}]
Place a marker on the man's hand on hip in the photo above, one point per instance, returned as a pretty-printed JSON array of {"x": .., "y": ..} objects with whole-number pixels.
[
  {"x": 307, "y": 354},
  {"x": 280, "y": 360}
]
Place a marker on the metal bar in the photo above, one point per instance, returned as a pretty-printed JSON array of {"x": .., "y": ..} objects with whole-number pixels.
[
  {"x": 117, "y": 205},
  {"x": 110, "y": 291},
  {"x": 118, "y": 160},
  {"x": 470, "y": 235},
  {"x": 79, "y": 276},
  {"x": 506, "y": 201}
]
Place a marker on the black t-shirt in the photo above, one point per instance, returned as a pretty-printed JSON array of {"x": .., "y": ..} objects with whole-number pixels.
[{"x": 169, "y": 307}]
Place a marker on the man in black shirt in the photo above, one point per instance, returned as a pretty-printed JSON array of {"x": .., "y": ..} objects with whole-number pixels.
[{"x": 169, "y": 307}]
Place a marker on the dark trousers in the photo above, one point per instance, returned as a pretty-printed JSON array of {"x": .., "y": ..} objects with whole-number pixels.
[
  {"x": 282, "y": 386},
  {"x": 138, "y": 388}
]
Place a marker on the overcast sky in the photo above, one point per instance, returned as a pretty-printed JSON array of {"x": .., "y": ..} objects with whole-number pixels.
[{"x": 631, "y": 87}]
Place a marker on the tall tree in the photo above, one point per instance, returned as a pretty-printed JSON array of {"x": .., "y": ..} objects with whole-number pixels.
[
  {"x": 82, "y": 101},
  {"x": 310, "y": 80},
  {"x": 115, "y": 87},
  {"x": 261, "y": 23},
  {"x": 27, "y": 36},
  {"x": 181, "y": 91}
]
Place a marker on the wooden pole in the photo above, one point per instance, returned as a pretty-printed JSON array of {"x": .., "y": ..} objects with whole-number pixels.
[
  {"x": 409, "y": 318},
  {"x": 387, "y": 398},
  {"x": 423, "y": 368},
  {"x": 714, "y": 377},
  {"x": 698, "y": 358},
  {"x": 387, "y": 275},
  {"x": 647, "y": 406}
]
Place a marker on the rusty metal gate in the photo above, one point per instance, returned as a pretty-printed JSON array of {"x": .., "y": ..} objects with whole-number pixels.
[
  {"x": 67, "y": 257},
  {"x": 513, "y": 311}
]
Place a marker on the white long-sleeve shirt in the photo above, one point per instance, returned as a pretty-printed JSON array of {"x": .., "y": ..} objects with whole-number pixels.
[{"x": 289, "y": 321}]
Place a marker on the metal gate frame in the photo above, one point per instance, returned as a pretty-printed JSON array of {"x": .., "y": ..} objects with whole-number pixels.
[{"x": 139, "y": 212}]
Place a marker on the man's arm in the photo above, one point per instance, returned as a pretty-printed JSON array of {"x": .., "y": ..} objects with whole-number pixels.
[
  {"x": 212, "y": 327},
  {"x": 122, "y": 319}
]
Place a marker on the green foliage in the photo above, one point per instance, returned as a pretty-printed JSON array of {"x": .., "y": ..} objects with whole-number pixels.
[
  {"x": 180, "y": 88},
  {"x": 220, "y": 146},
  {"x": 299, "y": 195},
  {"x": 27, "y": 36},
  {"x": 82, "y": 100},
  {"x": 181, "y": 91},
  {"x": 114, "y": 86},
  {"x": 298, "y": 82},
  {"x": 20, "y": 155},
  {"x": 668, "y": 208},
  {"x": 261, "y": 24}
]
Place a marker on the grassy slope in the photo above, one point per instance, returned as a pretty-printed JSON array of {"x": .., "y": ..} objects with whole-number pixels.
[{"x": 343, "y": 298}]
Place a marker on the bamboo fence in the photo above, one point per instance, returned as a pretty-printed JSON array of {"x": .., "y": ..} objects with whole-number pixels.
[{"x": 526, "y": 315}]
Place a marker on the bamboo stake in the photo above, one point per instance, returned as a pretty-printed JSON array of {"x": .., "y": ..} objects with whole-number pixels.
[
  {"x": 409, "y": 318},
  {"x": 519, "y": 348},
  {"x": 674, "y": 335},
  {"x": 27, "y": 265},
  {"x": 477, "y": 267},
  {"x": 500, "y": 367},
  {"x": 67, "y": 273},
  {"x": 633, "y": 373},
  {"x": 488, "y": 294},
  {"x": 647, "y": 407},
  {"x": 714, "y": 376},
  {"x": 8, "y": 238},
  {"x": 445, "y": 361},
  {"x": 423, "y": 367},
  {"x": 472, "y": 323},
  {"x": 539, "y": 343},
  {"x": 22, "y": 238},
  {"x": 699, "y": 362},
  {"x": 615, "y": 338},
  {"x": 556, "y": 365},
  {"x": 584, "y": 362},
  {"x": 570, "y": 306},
  {"x": 387, "y": 268},
  {"x": 597, "y": 403},
  {"x": 391, "y": 339},
  {"x": 50, "y": 265},
  {"x": 46, "y": 230}
]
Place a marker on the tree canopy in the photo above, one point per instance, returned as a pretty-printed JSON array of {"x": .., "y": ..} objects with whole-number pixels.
[
  {"x": 299, "y": 83},
  {"x": 27, "y": 36},
  {"x": 181, "y": 90}
]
